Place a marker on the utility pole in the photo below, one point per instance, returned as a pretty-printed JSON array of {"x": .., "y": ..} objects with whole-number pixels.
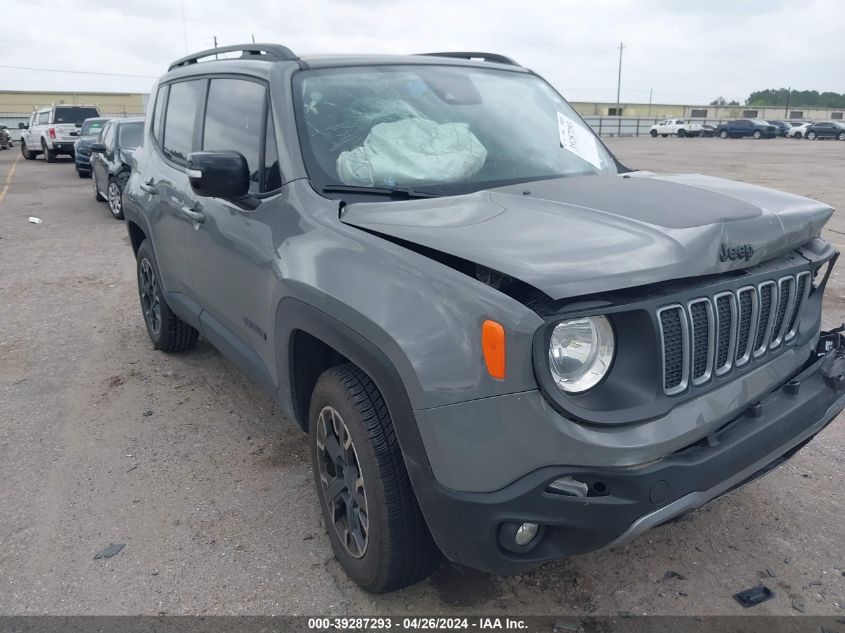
[
  {"x": 253, "y": 38},
  {"x": 786, "y": 108},
  {"x": 649, "y": 100},
  {"x": 619, "y": 79},
  {"x": 215, "y": 45}
]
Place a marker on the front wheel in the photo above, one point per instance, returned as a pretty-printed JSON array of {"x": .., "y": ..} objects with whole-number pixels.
[
  {"x": 26, "y": 153},
  {"x": 682, "y": 133},
  {"x": 757, "y": 135},
  {"x": 653, "y": 133},
  {"x": 841, "y": 136},
  {"x": 114, "y": 195},
  {"x": 167, "y": 331},
  {"x": 811, "y": 136},
  {"x": 723, "y": 134},
  {"x": 797, "y": 135},
  {"x": 375, "y": 525}
]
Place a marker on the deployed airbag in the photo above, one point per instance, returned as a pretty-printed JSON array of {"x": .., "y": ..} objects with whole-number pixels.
[{"x": 413, "y": 150}]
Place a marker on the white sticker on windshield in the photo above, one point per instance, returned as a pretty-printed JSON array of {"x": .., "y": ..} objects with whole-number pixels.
[{"x": 578, "y": 140}]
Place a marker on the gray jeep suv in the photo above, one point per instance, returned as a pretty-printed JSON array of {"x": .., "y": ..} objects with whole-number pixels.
[{"x": 506, "y": 347}]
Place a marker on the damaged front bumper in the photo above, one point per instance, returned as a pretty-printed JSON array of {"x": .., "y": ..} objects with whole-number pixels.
[{"x": 608, "y": 506}]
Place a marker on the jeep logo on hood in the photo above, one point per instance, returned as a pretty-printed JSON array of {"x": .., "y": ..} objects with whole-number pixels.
[{"x": 744, "y": 251}]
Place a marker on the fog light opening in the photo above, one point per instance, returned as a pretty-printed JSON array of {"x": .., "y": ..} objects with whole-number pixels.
[{"x": 526, "y": 533}]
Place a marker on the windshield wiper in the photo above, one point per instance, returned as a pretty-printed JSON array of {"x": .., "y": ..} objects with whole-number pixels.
[{"x": 398, "y": 193}]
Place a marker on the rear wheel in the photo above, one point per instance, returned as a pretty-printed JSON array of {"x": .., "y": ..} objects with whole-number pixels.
[
  {"x": 653, "y": 133},
  {"x": 375, "y": 525},
  {"x": 49, "y": 154},
  {"x": 167, "y": 331}
]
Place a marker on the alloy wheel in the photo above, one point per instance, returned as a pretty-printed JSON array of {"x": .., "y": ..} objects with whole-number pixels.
[
  {"x": 114, "y": 198},
  {"x": 342, "y": 482},
  {"x": 150, "y": 302}
]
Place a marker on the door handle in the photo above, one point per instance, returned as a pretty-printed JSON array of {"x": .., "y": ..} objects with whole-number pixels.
[
  {"x": 194, "y": 215},
  {"x": 149, "y": 187}
]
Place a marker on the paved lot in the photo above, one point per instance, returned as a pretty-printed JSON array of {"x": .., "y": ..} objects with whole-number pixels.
[{"x": 104, "y": 440}]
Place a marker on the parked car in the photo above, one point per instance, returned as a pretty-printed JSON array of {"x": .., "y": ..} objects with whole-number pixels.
[
  {"x": 798, "y": 130},
  {"x": 826, "y": 129},
  {"x": 89, "y": 134},
  {"x": 681, "y": 127},
  {"x": 111, "y": 160},
  {"x": 504, "y": 346},
  {"x": 5, "y": 137},
  {"x": 52, "y": 131},
  {"x": 746, "y": 127},
  {"x": 707, "y": 130},
  {"x": 783, "y": 127}
]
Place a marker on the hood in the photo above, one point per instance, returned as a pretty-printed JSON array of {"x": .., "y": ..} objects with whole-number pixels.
[{"x": 585, "y": 234}]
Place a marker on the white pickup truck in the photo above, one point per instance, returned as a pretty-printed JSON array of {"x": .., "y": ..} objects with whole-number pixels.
[
  {"x": 681, "y": 127},
  {"x": 52, "y": 131}
]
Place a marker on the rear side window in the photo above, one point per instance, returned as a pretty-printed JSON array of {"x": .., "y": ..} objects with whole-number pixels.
[
  {"x": 158, "y": 113},
  {"x": 234, "y": 119},
  {"x": 43, "y": 118},
  {"x": 179, "y": 120}
]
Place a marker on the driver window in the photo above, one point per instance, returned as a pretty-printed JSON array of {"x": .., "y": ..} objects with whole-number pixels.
[{"x": 234, "y": 120}]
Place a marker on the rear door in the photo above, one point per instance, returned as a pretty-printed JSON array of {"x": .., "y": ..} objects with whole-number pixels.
[{"x": 232, "y": 250}]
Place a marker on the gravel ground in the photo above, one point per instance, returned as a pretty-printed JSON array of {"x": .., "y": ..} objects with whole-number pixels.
[{"x": 104, "y": 440}]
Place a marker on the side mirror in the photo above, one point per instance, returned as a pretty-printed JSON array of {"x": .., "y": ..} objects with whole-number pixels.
[
  {"x": 98, "y": 148},
  {"x": 23, "y": 126},
  {"x": 223, "y": 174}
]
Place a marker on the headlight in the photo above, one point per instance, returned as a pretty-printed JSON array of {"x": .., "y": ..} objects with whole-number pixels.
[{"x": 580, "y": 353}]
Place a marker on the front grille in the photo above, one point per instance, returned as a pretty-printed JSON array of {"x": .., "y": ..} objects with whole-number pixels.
[
  {"x": 673, "y": 329},
  {"x": 713, "y": 335}
]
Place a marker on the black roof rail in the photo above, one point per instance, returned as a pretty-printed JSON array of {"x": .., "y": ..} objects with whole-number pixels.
[
  {"x": 487, "y": 57},
  {"x": 261, "y": 52}
]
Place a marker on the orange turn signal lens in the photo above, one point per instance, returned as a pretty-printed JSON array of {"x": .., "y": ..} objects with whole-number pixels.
[{"x": 493, "y": 345}]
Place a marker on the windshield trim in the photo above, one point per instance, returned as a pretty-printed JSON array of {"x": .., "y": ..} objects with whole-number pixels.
[{"x": 318, "y": 181}]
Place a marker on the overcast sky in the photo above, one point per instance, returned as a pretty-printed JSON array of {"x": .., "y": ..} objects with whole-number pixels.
[{"x": 686, "y": 51}]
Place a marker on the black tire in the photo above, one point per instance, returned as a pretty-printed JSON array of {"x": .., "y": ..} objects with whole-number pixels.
[
  {"x": 114, "y": 195},
  {"x": 798, "y": 135},
  {"x": 398, "y": 549},
  {"x": 682, "y": 133},
  {"x": 49, "y": 155},
  {"x": 653, "y": 133},
  {"x": 723, "y": 134},
  {"x": 28, "y": 155},
  {"x": 97, "y": 195},
  {"x": 811, "y": 136},
  {"x": 841, "y": 136},
  {"x": 83, "y": 174},
  {"x": 757, "y": 135},
  {"x": 664, "y": 135},
  {"x": 167, "y": 331}
]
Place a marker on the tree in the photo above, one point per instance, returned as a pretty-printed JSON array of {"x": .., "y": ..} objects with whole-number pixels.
[
  {"x": 797, "y": 98},
  {"x": 721, "y": 101}
]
